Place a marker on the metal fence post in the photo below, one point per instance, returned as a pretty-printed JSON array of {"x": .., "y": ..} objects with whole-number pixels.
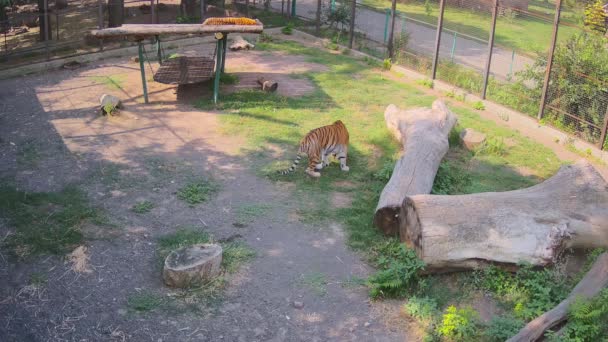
[
  {"x": 511, "y": 65},
  {"x": 203, "y": 8},
  {"x": 332, "y": 6},
  {"x": 391, "y": 34},
  {"x": 558, "y": 9},
  {"x": 486, "y": 73},
  {"x": 293, "y": 8},
  {"x": 604, "y": 131},
  {"x": 453, "y": 48},
  {"x": 438, "y": 38},
  {"x": 353, "y": 10},
  {"x": 100, "y": 21},
  {"x": 47, "y": 27},
  {"x": 388, "y": 13}
]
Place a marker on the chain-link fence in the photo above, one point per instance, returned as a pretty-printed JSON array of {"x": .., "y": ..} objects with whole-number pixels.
[{"x": 562, "y": 81}]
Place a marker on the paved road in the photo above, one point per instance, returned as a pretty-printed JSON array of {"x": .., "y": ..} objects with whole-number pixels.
[{"x": 469, "y": 52}]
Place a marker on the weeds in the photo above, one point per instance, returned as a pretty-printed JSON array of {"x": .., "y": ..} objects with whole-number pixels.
[
  {"x": 197, "y": 192},
  {"x": 288, "y": 29},
  {"x": 387, "y": 64},
  {"x": 144, "y": 302},
  {"x": 450, "y": 180},
  {"x": 478, "y": 105},
  {"x": 398, "y": 271},
  {"x": 246, "y": 214},
  {"x": 493, "y": 146},
  {"x": 425, "y": 83},
  {"x": 316, "y": 282},
  {"x": 142, "y": 207},
  {"x": 422, "y": 308},
  {"x": 501, "y": 328},
  {"x": 459, "y": 324}
]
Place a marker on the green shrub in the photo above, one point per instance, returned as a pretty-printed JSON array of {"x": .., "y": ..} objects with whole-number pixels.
[
  {"x": 385, "y": 173},
  {"x": 387, "y": 64},
  {"x": 493, "y": 146},
  {"x": 587, "y": 320},
  {"x": 501, "y": 328},
  {"x": 426, "y": 82},
  {"x": 288, "y": 29},
  {"x": 479, "y": 105},
  {"x": 459, "y": 324},
  {"x": 421, "y": 307},
  {"x": 450, "y": 180},
  {"x": 197, "y": 191},
  {"x": 399, "y": 267}
]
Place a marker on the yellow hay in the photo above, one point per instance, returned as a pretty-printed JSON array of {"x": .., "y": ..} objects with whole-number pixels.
[{"x": 229, "y": 21}]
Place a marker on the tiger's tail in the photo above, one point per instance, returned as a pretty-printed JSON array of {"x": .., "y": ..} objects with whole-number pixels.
[{"x": 293, "y": 166}]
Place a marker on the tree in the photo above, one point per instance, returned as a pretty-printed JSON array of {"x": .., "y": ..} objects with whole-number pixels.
[
  {"x": 116, "y": 10},
  {"x": 577, "y": 83},
  {"x": 595, "y": 17}
]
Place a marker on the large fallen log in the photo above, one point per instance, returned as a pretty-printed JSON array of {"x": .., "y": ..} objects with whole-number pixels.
[
  {"x": 424, "y": 135},
  {"x": 591, "y": 285},
  {"x": 530, "y": 225}
]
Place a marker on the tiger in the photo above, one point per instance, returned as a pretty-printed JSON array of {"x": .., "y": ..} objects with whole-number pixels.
[{"x": 318, "y": 144}]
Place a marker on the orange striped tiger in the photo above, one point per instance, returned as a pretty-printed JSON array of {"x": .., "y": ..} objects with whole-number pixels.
[{"x": 318, "y": 144}]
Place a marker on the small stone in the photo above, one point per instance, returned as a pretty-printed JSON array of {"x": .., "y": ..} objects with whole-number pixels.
[
  {"x": 298, "y": 304},
  {"x": 259, "y": 332},
  {"x": 367, "y": 324},
  {"x": 135, "y": 59},
  {"x": 122, "y": 312},
  {"x": 471, "y": 138}
]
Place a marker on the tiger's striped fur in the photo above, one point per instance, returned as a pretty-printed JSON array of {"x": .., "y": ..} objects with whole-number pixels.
[{"x": 318, "y": 144}]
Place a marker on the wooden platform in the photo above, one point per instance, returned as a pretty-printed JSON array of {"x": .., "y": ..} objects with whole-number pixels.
[
  {"x": 151, "y": 30},
  {"x": 185, "y": 70}
]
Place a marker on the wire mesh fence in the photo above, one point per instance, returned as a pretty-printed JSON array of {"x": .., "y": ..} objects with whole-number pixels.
[{"x": 563, "y": 84}]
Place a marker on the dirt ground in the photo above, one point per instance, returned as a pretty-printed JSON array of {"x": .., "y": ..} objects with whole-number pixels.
[{"x": 147, "y": 153}]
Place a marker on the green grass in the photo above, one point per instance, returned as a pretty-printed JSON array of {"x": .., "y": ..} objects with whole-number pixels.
[
  {"x": 272, "y": 119},
  {"x": 112, "y": 82},
  {"x": 142, "y": 207},
  {"x": 144, "y": 301},
  {"x": 28, "y": 154},
  {"x": 45, "y": 222},
  {"x": 197, "y": 191},
  {"x": 181, "y": 238},
  {"x": 524, "y": 33},
  {"x": 248, "y": 213},
  {"x": 315, "y": 282}
]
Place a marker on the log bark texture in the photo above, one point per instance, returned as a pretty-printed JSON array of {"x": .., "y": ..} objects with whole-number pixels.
[
  {"x": 591, "y": 285},
  {"x": 530, "y": 225},
  {"x": 423, "y": 132},
  {"x": 192, "y": 265}
]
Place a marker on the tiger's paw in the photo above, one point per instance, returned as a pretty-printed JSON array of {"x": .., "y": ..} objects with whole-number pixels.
[
  {"x": 313, "y": 173},
  {"x": 345, "y": 168}
]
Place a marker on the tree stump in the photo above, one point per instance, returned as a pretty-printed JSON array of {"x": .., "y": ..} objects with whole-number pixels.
[
  {"x": 239, "y": 43},
  {"x": 534, "y": 225},
  {"x": 471, "y": 139},
  {"x": 268, "y": 85},
  {"x": 192, "y": 265},
  {"x": 423, "y": 132},
  {"x": 109, "y": 103}
]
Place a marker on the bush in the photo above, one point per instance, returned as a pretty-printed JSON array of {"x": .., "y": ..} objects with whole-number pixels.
[
  {"x": 425, "y": 82},
  {"x": 501, "y": 328},
  {"x": 421, "y": 307},
  {"x": 459, "y": 324},
  {"x": 587, "y": 320},
  {"x": 387, "y": 64},
  {"x": 493, "y": 146},
  {"x": 398, "y": 272},
  {"x": 288, "y": 29},
  {"x": 450, "y": 180},
  {"x": 479, "y": 105}
]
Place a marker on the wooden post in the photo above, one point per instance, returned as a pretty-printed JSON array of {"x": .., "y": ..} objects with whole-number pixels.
[
  {"x": 604, "y": 131},
  {"x": 558, "y": 9},
  {"x": 142, "y": 69},
  {"x": 391, "y": 35},
  {"x": 438, "y": 38},
  {"x": 486, "y": 74},
  {"x": 218, "y": 65},
  {"x": 353, "y": 10}
]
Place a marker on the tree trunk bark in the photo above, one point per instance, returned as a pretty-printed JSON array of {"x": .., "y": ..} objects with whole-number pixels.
[
  {"x": 318, "y": 19},
  {"x": 530, "y": 225},
  {"x": 44, "y": 22},
  {"x": 424, "y": 135},
  {"x": 591, "y": 285},
  {"x": 116, "y": 13}
]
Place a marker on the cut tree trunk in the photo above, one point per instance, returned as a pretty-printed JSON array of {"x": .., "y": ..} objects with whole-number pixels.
[
  {"x": 568, "y": 210},
  {"x": 424, "y": 135},
  {"x": 268, "y": 85},
  {"x": 591, "y": 285},
  {"x": 190, "y": 266},
  {"x": 239, "y": 43}
]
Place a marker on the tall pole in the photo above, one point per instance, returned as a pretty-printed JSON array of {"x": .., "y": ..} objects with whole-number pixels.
[
  {"x": 353, "y": 10},
  {"x": 558, "y": 9},
  {"x": 293, "y": 8},
  {"x": 486, "y": 73},
  {"x": 604, "y": 131},
  {"x": 438, "y": 38},
  {"x": 391, "y": 34},
  {"x": 47, "y": 27},
  {"x": 142, "y": 70},
  {"x": 100, "y": 21}
]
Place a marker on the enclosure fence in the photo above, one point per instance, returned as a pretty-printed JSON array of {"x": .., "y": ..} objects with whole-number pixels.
[{"x": 544, "y": 58}]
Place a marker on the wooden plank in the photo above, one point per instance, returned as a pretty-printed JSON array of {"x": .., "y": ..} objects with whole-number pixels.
[{"x": 147, "y": 30}]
